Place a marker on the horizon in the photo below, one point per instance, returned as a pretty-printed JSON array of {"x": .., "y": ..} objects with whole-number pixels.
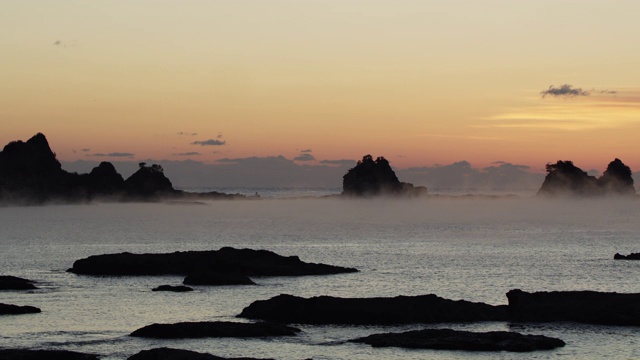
[{"x": 421, "y": 83}]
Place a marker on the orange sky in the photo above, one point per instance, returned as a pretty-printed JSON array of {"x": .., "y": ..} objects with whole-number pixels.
[{"x": 420, "y": 82}]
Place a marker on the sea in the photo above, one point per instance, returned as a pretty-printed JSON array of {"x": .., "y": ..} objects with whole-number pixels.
[{"x": 474, "y": 248}]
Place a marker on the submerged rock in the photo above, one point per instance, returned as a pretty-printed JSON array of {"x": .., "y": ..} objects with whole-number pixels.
[
  {"x": 8, "y": 309},
  {"x": 590, "y": 307},
  {"x": 24, "y": 354},
  {"x": 176, "y": 288},
  {"x": 226, "y": 260},
  {"x": 179, "y": 354},
  {"x": 8, "y": 282},
  {"x": 218, "y": 279},
  {"x": 371, "y": 311},
  {"x": 447, "y": 339},
  {"x": 632, "y": 256},
  {"x": 214, "y": 329}
]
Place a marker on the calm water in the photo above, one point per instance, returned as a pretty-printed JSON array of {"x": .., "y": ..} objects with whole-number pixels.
[{"x": 459, "y": 249}]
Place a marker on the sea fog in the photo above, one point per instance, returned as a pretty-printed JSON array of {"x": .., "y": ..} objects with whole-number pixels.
[{"x": 472, "y": 248}]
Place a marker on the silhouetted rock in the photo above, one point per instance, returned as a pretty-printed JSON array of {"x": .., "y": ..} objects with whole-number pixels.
[
  {"x": 8, "y": 309},
  {"x": 565, "y": 179},
  {"x": 24, "y": 354},
  {"x": 589, "y": 307},
  {"x": 632, "y": 256},
  {"x": 179, "y": 354},
  {"x": 371, "y": 311},
  {"x": 178, "y": 288},
  {"x": 105, "y": 180},
  {"x": 202, "y": 329},
  {"x": 149, "y": 182},
  {"x": 15, "y": 283},
  {"x": 226, "y": 260},
  {"x": 218, "y": 279},
  {"x": 617, "y": 180},
  {"x": 370, "y": 178},
  {"x": 447, "y": 339}
]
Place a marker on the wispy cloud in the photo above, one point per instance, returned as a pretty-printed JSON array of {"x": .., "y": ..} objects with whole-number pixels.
[
  {"x": 112, "y": 154},
  {"x": 190, "y": 153},
  {"x": 565, "y": 90},
  {"x": 182, "y": 133},
  {"x": 340, "y": 162},
  {"x": 210, "y": 142},
  {"x": 304, "y": 157}
]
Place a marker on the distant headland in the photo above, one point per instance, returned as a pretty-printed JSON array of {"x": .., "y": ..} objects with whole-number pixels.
[{"x": 30, "y": 174}]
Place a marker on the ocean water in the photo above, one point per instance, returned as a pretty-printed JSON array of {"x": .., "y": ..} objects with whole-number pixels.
[{"x": 461, "y": 248}]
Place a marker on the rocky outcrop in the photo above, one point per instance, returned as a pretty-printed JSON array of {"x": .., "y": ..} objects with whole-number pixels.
[
  {"x": 447, "y": 339},
  {"x": 632, "y": 256},
  {"x": 216, "y": 329},
  {"x": 565, "y": 179},
  {"x": 8, "y": 309},
  {"x": 371, "y": 311},
  {"x": 171, "y": 288},
  {"x": 149, "y": 182},
  {"x": 24, "y": 354},
  {"x": 226, "y": 260},
  {"x": 218, "y": 279},
  {"x": 8, "y": 282},
  {"x": 371, "y": 178},
  {"x": 179, "y": 354},
  {"x": 588, "y": 307}
]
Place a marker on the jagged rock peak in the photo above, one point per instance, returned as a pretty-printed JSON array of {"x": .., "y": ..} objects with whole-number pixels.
[{"x": 375, "y": 177}]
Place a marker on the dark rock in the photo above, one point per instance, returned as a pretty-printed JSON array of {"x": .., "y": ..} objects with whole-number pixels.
[
  {"x": 226, "y": 260},
  {"x": 447, "y": 339},
  {"x": 105, "y": 180},
  {"x": 632, "y": 256},
  {"x": 15, "y": 283},
  {"x": 371, "y": 178},
  {"x": 178, "y": 288},
  {"x": 179, "y": 354},
  {"x": 218, "y": 279},
  {"x": 23, "y": 354},
  {"x": 8, "y": 309},
  {"x": 371, "y": 311},
  {"x": 149, "y": 182},
  {"x": 590, "y": 307},
  {"x": 565, "y": 179},
  {"x": 214, "y": 329}
]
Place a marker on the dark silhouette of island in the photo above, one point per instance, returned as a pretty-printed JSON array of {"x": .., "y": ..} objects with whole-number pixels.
[
  {"x": 9, "y": 309},
  {"x": 165, "y": 353},
  {"x": 323, "y": 310},
  {"x": 448, "y": 339},
  {"x": 216, "y": 329},
  {"x": 25, "y": 354},
  {"x": 632, "y": 256},
  {"x": 31, "y": 174},
  {"x": 8, "y": 282},
  {"x": 172, "y": 288},
  {"x": 565, "y": 179},
  {"x": 375, "y": 177}
]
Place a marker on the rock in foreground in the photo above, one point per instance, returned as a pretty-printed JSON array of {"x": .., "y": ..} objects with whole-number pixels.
[
  {"x": 8, "y": 309},
  {"x": 23, "y": 354},
  {"x": 178, "y": 354},
  {"x": 590, "y": 307},
  {"x": 171, "y": 288},
  {"x": 447, "y": 339},
  {"x": 226, "y": 260},
  {"x": 15, "y": 283},
  {"x": 632, "y": 256},
  {"x": 203, "y": 329},
  {"x": 371, "y": 311}
]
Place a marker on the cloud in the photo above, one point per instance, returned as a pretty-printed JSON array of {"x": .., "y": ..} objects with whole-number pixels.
[
  {"x": 210, "y": 142},
  {"x": 182, "y": 133},
  {"x": 85, "y": 150},
  {"x": 305, "y": 156},
  {"x": 306, "y": 151},
  {"x": 113, "y": 154},
  {"x": 565, "y": 90},
  {"x": 190, "y": 153},
  {"x": 64, "y": 44},
  {"x": 341, "y": 162}
]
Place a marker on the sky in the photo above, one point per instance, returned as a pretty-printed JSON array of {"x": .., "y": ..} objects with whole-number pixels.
[{"x": 422, "y": 83}]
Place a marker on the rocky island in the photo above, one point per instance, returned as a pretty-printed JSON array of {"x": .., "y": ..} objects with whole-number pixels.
[
  {"x": 565, "y": 179},
  {"x": 375, "y": 177}
]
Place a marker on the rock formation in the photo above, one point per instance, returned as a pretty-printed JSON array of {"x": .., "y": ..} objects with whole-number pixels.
[
  {"x": 8, "y": 309},
  {"x": 24, "y": 354},
  {"x": 447, "y": 339},
  {"x": 565, "y": 179},
  {"x": 15, "y": 283},
  {"x": 203, "y": 329},
  {"x": 632, "y": 256},
  {"x": 371, "y": 178},
  {"x": 226, "y": 260},
  {"x": 179, "y": 354},
  {"x": 171, "y": 288},
  {"x": 371, "y": 311},
  {"x": 588, "y": 307}
]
